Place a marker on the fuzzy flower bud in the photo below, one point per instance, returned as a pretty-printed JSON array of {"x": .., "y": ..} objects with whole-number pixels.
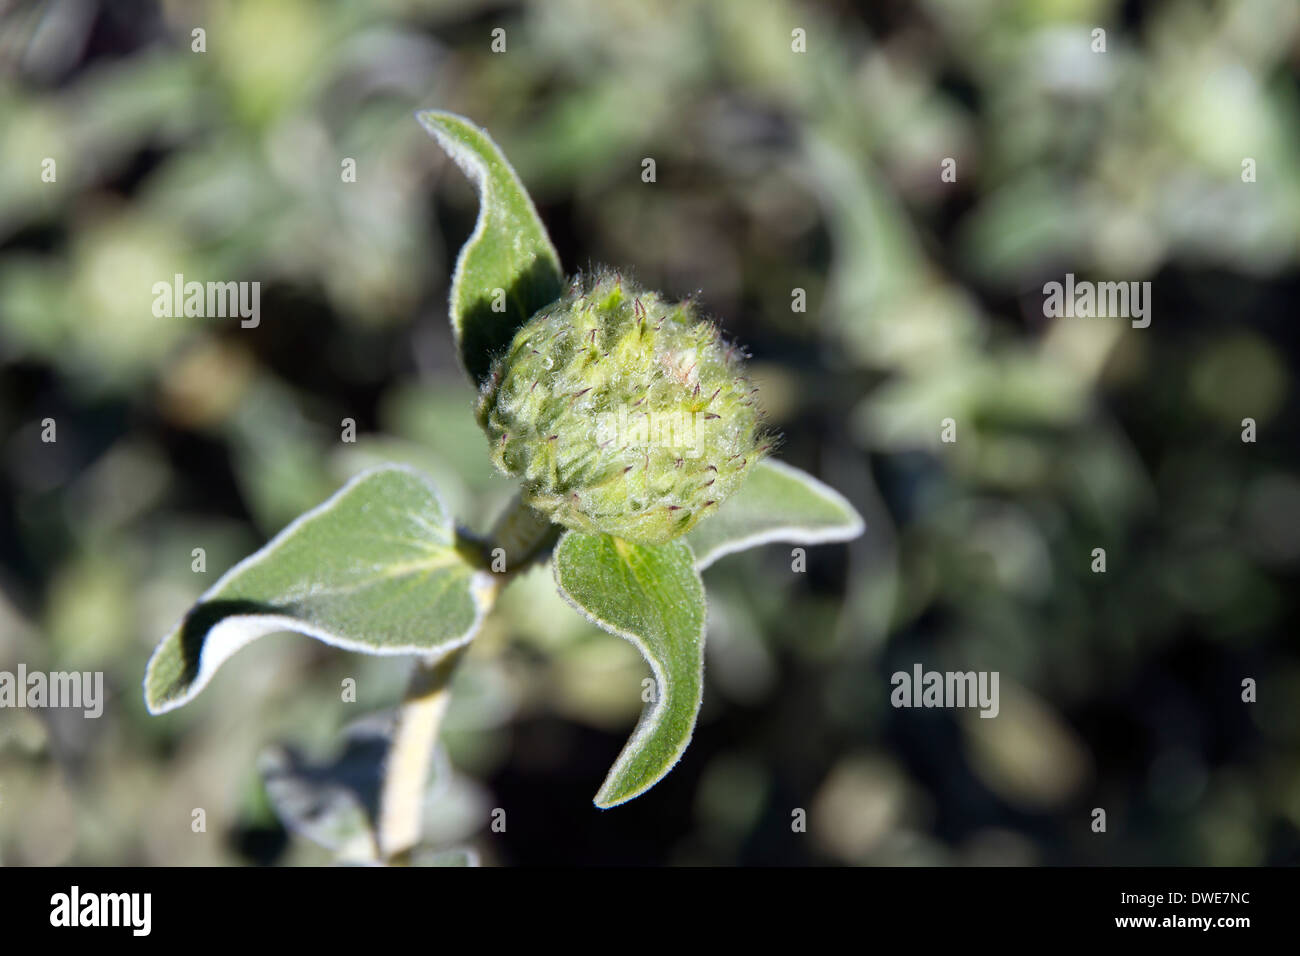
[{"x": 622, "y": 413}]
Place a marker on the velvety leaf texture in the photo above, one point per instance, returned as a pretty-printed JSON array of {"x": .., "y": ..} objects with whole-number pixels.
[
  {"x": 374, "y": 569},
  {"x": 509, "y": 249},
  {"x": 653, "y": 597}
]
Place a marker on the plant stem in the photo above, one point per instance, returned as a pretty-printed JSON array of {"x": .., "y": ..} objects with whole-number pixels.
[
  {"x": 523, "y": 536},
  {"x": 406, "y": 772}
]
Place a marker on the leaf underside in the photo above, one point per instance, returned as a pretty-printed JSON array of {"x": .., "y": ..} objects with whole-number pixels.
[
  {"x": 374, "y": 569},
  {"x": 509, "y": 249},
  {"x": 653, "y": 597}
]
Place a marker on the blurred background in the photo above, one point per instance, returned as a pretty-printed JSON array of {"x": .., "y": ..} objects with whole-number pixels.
[{"x": 775, "y": 171}]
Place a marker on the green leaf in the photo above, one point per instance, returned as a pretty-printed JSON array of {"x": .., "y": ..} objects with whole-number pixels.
[
  {"x": 374, "y": 569},
  {"x": 509, "y": 251},
  {"x": 776, "y": 503},
  {"x": 334, "y": 802},
  {"x": 653, "y": 597}
]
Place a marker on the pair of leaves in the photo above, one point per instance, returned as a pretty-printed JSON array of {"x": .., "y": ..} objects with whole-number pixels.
[{"x": 376, "y": 568}]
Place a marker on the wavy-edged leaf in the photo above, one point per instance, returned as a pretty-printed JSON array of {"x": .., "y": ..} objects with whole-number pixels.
[
  {"x": 653, "y": 597},
  {"x": 374, "y": 569},
  {"x": 509, "y": 249},
  {"x": 778, "y": 502}
]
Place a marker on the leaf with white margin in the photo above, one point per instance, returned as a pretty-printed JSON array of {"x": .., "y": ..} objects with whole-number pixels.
[
  {"x": 374, "y": 569},
  {"x": 509, "y": 252},
  {"x": 653, "y": 597},
  {"x": 778, "y": 502}
]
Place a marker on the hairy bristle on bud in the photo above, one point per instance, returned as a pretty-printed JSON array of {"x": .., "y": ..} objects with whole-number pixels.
[{"x": 622, "y": 412}]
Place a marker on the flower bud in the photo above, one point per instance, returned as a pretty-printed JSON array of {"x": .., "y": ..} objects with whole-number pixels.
[{"x": 622, "y": 413}]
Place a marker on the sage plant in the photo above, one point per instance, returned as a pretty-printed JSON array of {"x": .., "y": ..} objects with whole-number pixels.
[{"x": 641, "y": 456}]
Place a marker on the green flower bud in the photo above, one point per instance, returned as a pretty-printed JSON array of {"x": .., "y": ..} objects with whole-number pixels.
[{"x": 622, "y": 413}]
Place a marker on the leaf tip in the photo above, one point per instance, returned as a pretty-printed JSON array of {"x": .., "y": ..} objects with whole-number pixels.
[
  {"x": 154, "y": 703},
  {"x": 433, "y": 120},
  {"x": 610, "y": 796}
]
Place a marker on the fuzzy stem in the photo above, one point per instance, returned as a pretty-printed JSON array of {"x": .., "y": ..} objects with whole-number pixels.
[
  {"x": 524, "y": 537},
  {"x": 410, "y": 755}
]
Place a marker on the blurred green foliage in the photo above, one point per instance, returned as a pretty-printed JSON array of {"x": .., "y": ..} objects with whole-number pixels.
[{"x": 775, "y": 171}]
